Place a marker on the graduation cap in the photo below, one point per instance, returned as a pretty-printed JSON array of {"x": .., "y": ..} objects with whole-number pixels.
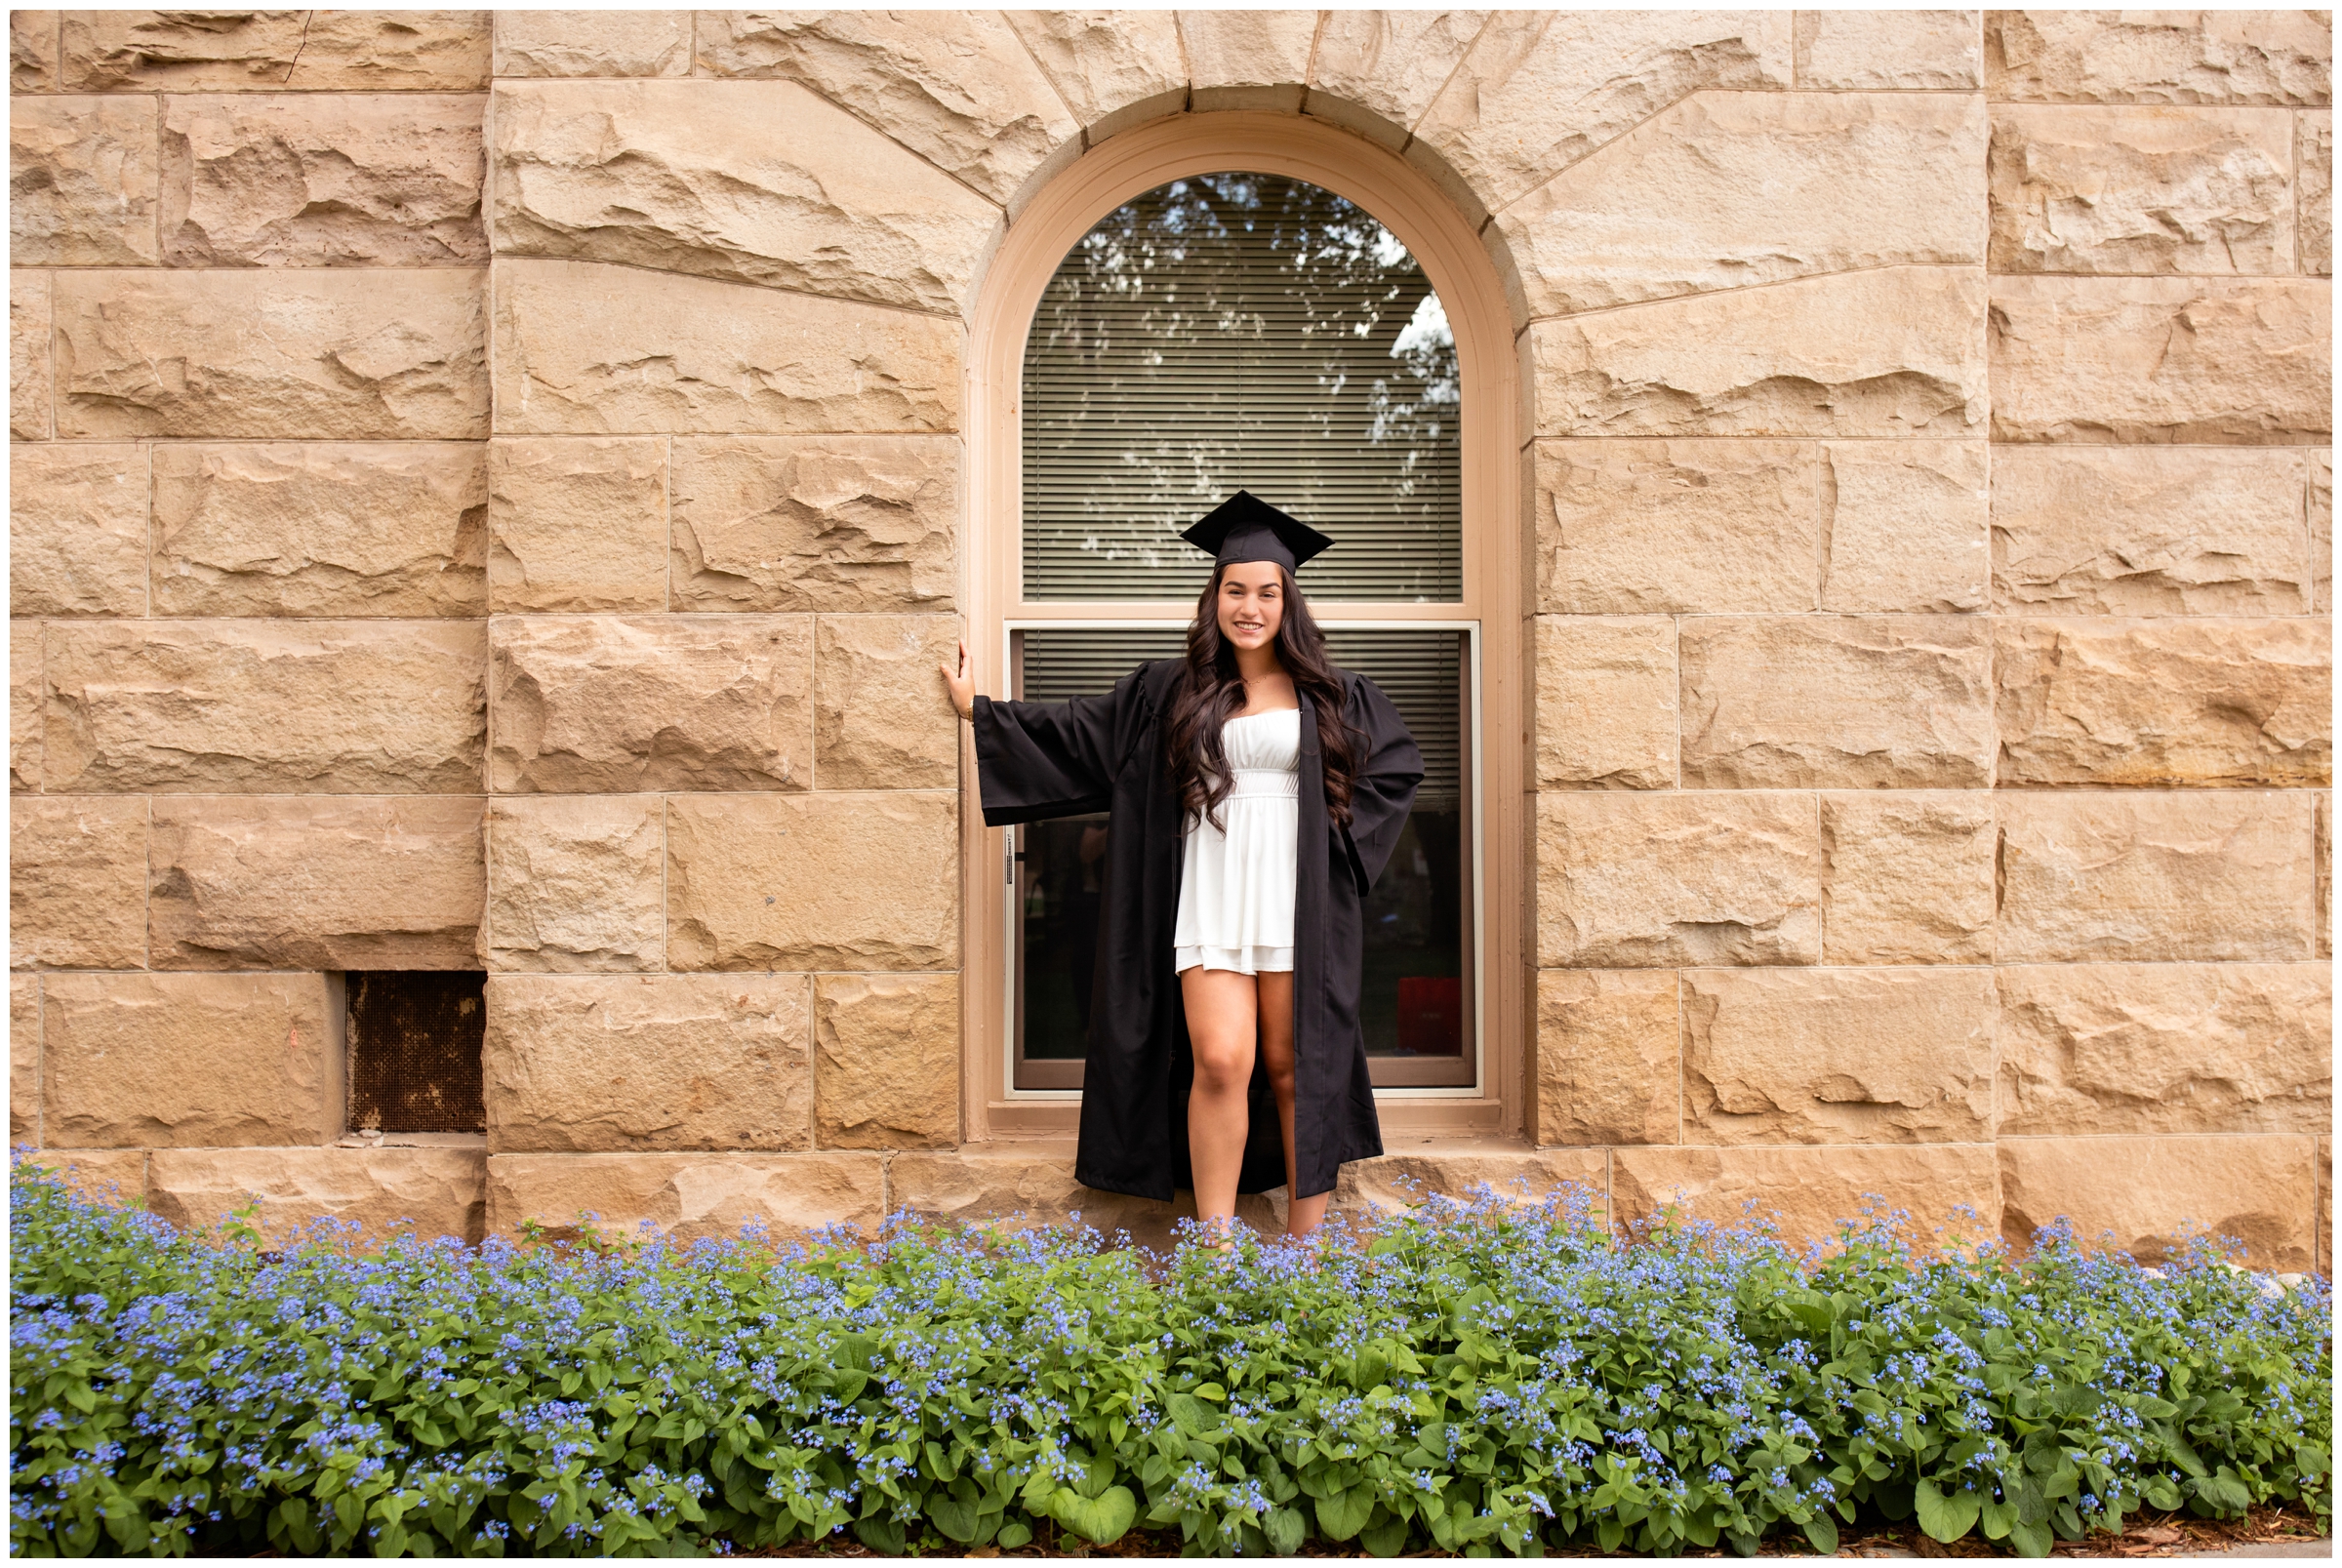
[{"x": 1246, "y": 528}]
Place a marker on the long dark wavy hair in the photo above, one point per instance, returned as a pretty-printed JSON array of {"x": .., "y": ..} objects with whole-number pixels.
[{"x": 1212, "y": 693}]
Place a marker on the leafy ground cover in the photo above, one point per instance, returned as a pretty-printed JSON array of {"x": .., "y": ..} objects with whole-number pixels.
[{"x": 1472, "y": 1378}]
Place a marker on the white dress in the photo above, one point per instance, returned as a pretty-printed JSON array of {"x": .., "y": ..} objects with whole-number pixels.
[{"x": 1235, "y": 885}]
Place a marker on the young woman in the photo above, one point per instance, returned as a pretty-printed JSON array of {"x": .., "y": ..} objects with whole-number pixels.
[{"x": 1254, "y": 793}]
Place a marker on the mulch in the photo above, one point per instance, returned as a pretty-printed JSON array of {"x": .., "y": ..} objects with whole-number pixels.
[{"x": 2148, "y": 1536}]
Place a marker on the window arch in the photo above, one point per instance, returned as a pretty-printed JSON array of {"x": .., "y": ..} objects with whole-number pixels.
[{"x": 1078, "y": 461}]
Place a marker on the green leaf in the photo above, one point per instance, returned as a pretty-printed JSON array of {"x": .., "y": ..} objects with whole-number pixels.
[
  {"x": 1385, "y": 1540},
  {"x": 1101, "y": 1519},
  {"x": 1189, "y": 1414},
  {"x": 1285, "y": 1529},
  {"x": 1945, "y": 1518},
  {"x": 1346, "y": 1513},
  {"x": 953, "y": 1517},
  {"x": 882, "y": 1535},
  {"x": 2032, "y": 1540},
  {"x": 1013, "y": 1534},
  {"x": 1822, "y": 1531}
]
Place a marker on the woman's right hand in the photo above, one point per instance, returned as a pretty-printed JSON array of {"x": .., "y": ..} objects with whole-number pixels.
[{"x": 962, "y": 683}]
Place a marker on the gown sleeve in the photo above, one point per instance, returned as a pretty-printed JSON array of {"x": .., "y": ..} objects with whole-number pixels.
[
  {"x": 1383, "y": 790},
  {"x": 1037, "y": 760}
]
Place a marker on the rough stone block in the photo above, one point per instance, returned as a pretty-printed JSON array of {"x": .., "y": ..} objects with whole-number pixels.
[
  {"x": 1723, "y": 191},
  {"x": 2313, "y": 190},
  {"x": 2153, "y": 877},
  {"x": 606, "y": 704},
  {"x": 77, "y": 530},
  {"x": 955, "y": 87},
  {"x": 887, "y": 1072},
  {"x": 1838, "y": 1056},
  {"x": 188, "y": 1060},
  {"x": 32, "y": 37},
  {"x": 2322, "y": 834},
  {"x": 2203, "y": 361},
  {"x": 81, "y": 181},
  {"x": 295, "y": 882},
  {"x": 323, "y": 180},
  {"x": 836, "y": 523},
  {"x": 583, "y": 350},
  {"x": 1643, "y": 527},
  {"x": 2146, "y": 531},
  {"x": 2248, "y": 704},
  {"x": 2166, "y": 1048},
  {"x": 24, "y": 691},
  {"x": 1630, "y": 880},
  {"x": 1609, "y": 1067},
  {"x": 1539, "y": 91},
  {"x": 1391, "y": 1183},
  {"x": 110, "y": 1175},
  {"x": 289, "y": 354},
  {"x": 23, "y": 1059},
  {"x": 634, "y": 1063},
  {"x": 30, "y": 383},
  {"x": 1606, "y": 708},
  {"x": 1114, "y": 68},
  {"x": 77, "y": 882},
  {"x": 1020, "y": 1185},
  {"x": 1904, "y": 525},
  {"x": 881, "y": 718},
  {"x": 1951, "y": 1190},
  {"x": 283, "y": 528},
  {"x": 593, "y": 43},
  {"x": 577, "y": 882},
  {"x": 331, "y": 707},
  {"x": 747, "y": 182},
  {"x": 2323, "y": 1243},
  {"x": 261, "y": 51},
  {"x": 578, "y": 524},
  {"x": 2146, "y": 1196},
  {"x": 1247, "y": 58},
  {"x": 2140, "y": 190},
  {"x": 1869, "y": 51},
  {"x": 814, "y": 882},
  {"x": 685, "y": 1196},
  {"x": 2322, "y": 532},
  {"x": 426, "y": 1192},
  {"x": 1898, "y": 351},
  {"x": 1907, "y": 878},
  {"x": 1844, "y": 701},
  {"x": 2158, "y": 57},
  {"x": 1375, "y": 71}
]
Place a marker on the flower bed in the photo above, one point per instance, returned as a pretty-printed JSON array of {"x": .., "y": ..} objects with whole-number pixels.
[{"x": 1475, "y": 1374}]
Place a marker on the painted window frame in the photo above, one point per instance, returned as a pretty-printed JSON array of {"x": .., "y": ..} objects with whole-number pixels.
[{"x": 1495, "y": 564}]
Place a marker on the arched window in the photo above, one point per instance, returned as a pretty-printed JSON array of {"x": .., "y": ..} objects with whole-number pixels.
[{"x": 1246, "y": 323}]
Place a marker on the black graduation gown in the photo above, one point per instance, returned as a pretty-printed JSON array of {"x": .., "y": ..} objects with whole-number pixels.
[{"x": 1105, "y": 754}]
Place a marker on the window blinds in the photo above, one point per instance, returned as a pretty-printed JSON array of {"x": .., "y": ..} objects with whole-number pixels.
[
  {"x": 1239, "y": 331},
  {"x": 1421, "y": 672}
]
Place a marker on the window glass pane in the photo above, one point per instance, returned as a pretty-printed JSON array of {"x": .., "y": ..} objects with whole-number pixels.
[
  {"x": 1239, "y": 331},
  {"x": 1417, "y": 997}
]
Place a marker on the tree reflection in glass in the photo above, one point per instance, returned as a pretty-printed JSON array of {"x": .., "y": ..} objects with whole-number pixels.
[{"x": 1239, "y": 331}]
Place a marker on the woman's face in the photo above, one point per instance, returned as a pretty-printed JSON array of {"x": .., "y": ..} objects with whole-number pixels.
[{"x": 1252, "y": 603}]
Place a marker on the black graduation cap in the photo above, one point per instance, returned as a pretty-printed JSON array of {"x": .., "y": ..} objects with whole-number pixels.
[{"x": 1246, "y": 528}]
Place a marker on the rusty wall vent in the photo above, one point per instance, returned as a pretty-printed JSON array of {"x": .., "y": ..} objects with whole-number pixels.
[{"x": 414, "y": 1039}]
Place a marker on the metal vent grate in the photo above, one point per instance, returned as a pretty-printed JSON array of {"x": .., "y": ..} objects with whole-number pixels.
[{"x": 414, "y": 1039}]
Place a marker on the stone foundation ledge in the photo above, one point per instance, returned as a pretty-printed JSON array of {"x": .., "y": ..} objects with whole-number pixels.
[{"x": 436, "y": 1189}]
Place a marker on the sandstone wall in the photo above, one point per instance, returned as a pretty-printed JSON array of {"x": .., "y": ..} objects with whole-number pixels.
[{"x": 486, "y": 494}]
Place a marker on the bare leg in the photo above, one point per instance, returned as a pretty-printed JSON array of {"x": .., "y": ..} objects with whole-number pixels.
[
  {"x": 1302, "y": 1215},
  {"x": 1222, "y": 1026}
]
